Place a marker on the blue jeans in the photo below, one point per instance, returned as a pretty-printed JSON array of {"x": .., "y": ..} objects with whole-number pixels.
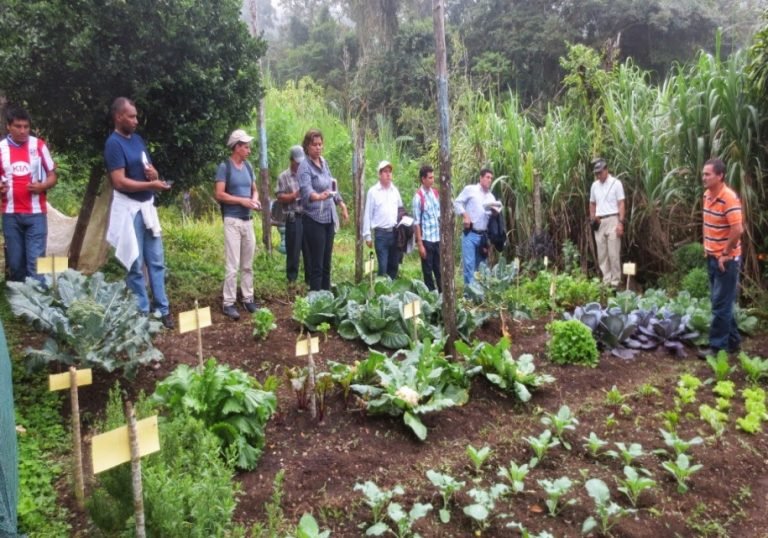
[
  {"x": 151, "y": 255},
  {"x": 473, "y": 253},
  {"x": 387, "y": 254},
  {"x": 25, "y": 235},
  {"x": 723, "y": 333}
]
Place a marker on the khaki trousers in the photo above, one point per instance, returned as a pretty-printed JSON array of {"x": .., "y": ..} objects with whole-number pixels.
[
  {"x": 239, "y": 247},
  {"x": 609, "y": 250}
]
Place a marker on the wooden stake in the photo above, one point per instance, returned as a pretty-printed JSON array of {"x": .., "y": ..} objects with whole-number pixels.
[
  {"x": 138, "y": 493},
  {"x": 311, "y": 378},
  {"x": 199, "y": 336},
  {"x": 77, "y": 440}
]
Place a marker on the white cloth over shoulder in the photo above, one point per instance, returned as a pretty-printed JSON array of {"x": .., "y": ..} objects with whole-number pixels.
[{"x": 120, "y": 233}]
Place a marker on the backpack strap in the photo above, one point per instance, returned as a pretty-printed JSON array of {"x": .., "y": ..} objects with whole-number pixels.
[{"x": 228, "y": 174}]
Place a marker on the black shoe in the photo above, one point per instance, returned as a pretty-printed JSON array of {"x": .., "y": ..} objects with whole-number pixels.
[
  {"x": 251, "y": 306},
  {"x": 705, "y": 352},
  {"x": 167, "y": 320},
  {"x": 231, "y": 312}
]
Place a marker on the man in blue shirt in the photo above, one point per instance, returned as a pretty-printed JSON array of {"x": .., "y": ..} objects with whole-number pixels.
[
  {"x": 426, "y": 214},
  {"x": 134, "y": 227},
  {"x": 236, "y": 192},
  {"x": 474, "y": 205}
]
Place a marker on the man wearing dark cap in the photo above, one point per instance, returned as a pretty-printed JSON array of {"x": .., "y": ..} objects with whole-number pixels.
[
  {"x": 289, "y": 196},
  {"x": 606, "y": 212}
]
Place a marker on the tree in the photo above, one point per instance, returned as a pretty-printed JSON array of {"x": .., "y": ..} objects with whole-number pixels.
[{"x": 190, "y": 65}]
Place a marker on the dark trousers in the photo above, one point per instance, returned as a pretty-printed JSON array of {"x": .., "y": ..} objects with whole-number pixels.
[
  {"x": 387, "y": 253},
  {"x": 26, "y": 235},
  {"x": 295, "y": 248},
  {"x": 431, "y": 265},
  {"x": 723, "y": 333},
  {"x": 319, "y": 239}
]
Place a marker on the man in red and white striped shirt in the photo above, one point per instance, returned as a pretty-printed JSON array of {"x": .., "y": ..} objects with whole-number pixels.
[
  {"x": 723, "y": 226},
  {"x": 26, "y": 173}
]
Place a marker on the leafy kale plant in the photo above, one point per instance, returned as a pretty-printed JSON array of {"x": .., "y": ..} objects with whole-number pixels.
[
  {"x": 498, "y": 366},
  {"x": 681, "y": 469},
  {"x": 89, "y": 322},
  {"x": 478, "y": 456},
  {"x": 561, "y": 421},
  {"x": 232, "y": 404},
  {"x": 634, "y": 483},
  {"x": 447, "y": 486},
  {"x": 556, "y": 489},
  {"x": 516, "y": 475},
  {"x": 607, "y": 511}
]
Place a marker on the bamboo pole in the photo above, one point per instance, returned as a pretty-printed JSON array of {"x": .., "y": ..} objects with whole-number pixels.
[
  {"x": 358, "y": 185},
  {"x": 138, "y": 490},
  {"x": 77, "y": 440},
  {"x": 199, "y": 335}
]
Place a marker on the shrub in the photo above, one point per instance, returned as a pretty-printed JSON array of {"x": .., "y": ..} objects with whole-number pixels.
[
  {"x": 571, "y": 342},
  {"x": 689, "y": 256},
  {"x": 696, "y": 282}
]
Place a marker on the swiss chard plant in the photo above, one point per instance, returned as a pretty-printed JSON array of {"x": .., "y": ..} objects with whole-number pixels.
[
  {"x": 89, "y": 323},
  {"x": 755, "y": 368},
  {"x": 478, "y": 456},
  {"x": 232, "y": 404},
  {"x": 423, "y": 381},
  {"x": 500, "y": 368}
]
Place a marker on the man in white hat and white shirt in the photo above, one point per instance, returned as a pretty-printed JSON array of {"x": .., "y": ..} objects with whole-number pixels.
[
  {"x": 236, "y": 191},
  {"x": 380, "y": 219},
  {"x": 606, "y": 212}
]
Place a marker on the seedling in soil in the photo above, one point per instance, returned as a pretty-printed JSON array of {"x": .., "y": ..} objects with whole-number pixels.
[
  {"x": 556, "y": 489},
  {"x": 610, "y": 421},
  {"x": 447, "y": 485},
  {"x": 485, "y": 502},
  {"x": 516, "y": 475},
  {"x": 680, "y": 446},
  {"x": 725, "y": 389},
  {"x": 377, "y": 498},
  {"x": 671, "y": 419},
  {"x": 715, "y": 418},
  {"x": 308, "y": 528},
  {"x": 301, "y": 311},
  {"x": 614, "y": 397},
  {"x": 298, "y": 378},
  {"x": 323, "y": 387},
  {"x": 754, "y": 403},
  {"x": 627, "y": 453},
  {"x": 686, "y": 389},
  {"x": 403, "y": 520},
  {"x": 562, "y": 421},
  {"x": 525, "y": 533},
  {"x": 682, "y": 470},
  {"x": 720, "y": 365},
  {"x": 540, "y": 445},
  {"x": 608, "y": 512},
  {"x": 594, "y": 444},
  {"x": 754, "y": 368},
  {"x": 263, "y": 322},
  {"x": 478, "y": 457},
  {"x": 634, "y": 484},
  {"x": 646, "y": 390},
  {"x": 324, "y": 327}
]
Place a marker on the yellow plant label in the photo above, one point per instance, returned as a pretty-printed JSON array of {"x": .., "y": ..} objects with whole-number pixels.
[
  {"x": 52, "y": 264},
  {"x": 302, "y": 346},
  {"x": 411, "y": 309},
  {"x": 113, "y": 448},
  {"x": 61, "y": 381},
  {"x": 629, "y": 269},
  {"x": 368, "y": 267},
  {"x": 188, "y": 320}
]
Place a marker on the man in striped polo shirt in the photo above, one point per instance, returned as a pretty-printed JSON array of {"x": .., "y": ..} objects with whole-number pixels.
[
  {"x": 26, "y": 173},
  {"x": 722, "y": 243}
]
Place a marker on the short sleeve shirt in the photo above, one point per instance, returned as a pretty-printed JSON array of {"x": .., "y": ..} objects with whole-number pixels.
[
  {"x": 131, "y": 154},
  {"x": 240, "y": 185},
  {"x": 606, "y": 196}
]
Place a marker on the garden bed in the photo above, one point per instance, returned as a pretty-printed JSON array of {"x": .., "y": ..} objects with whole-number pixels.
[{"x": 323, "y": 461}]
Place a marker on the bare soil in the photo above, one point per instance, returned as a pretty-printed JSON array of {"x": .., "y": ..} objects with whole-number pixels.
[{"x": 323, "y": 461}]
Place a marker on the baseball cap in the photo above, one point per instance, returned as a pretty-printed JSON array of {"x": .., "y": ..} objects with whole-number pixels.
[
  {"x": 297, "y": 154},
  {"x": 238, "y": 136},
  {"x": 383, "y": 165},
  {"x": 598, "y": 165}
]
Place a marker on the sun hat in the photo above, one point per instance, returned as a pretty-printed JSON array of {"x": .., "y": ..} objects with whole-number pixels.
[
  {"x": 297, "y": 154},
  {"x": 598, "y": 165},
  {"x": 238, "y": 136},
  {"x": 383, "y": 165}
]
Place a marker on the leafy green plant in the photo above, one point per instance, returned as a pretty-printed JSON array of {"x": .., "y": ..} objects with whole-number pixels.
[
  {"x": 725, "y": 389},
  {"x": 561, "y": 421},
  {"x": 89, "y": 322},
  {"x": 750, "y": 423},
  {"x": 343, "y": 374},
  {"x": 686, "y": 388},
  {"x": 755, "y": 368},
  {"x": 696, "y": 282},
  {"x": 671, "y": 419},
  {"x": 608, "y": 512},
  {"x": 377, "y": 499},
  {"x": 298, "y": 380},
  {"x": 678, "y": 445},
  {"x": 614, "y": 397},
  {"x": 489, "y": 288},
  {"x": 447, "y": 486},
  {"x": 478, "y": 456},
  {"x": 481, "y": 510},
  {"x": 516, "y": 475},
  {"x": 263, "y": 322},
  {"x": 594, "y": 444},
  {"x": 681, "y": 469},
  {"x": 556, "y": 489},
  {"x": 309, "y": 528},
  {"x": 647, "y": 390},
  {"x": 754, "y": 403},
  {"x": 301, "y": 312},
  {"x": 323, "y": 388},
  {"x": 714, "y": 417},
  {"x": 720, "y": 365},
  {"x": 525, "y": 533},
  {"x": 540, "y": 445},
  {"x": 228, "y": 401},
  {"x": 422, "y": 382},
  {"x": 635, "y": 482},
  {"x": 498, "y": 366},
  {"x": 404, "y": 520},
  {"x": 667, "y": 329},
  {"x": 324, "y": 327},
  {"x": 571, "y": 342},
  {"x": 627, "y": 453},
  {"x": 746, "y": 322}
]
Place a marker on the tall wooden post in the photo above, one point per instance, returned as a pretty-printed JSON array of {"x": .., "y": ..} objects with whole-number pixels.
[
  {"x": 138, "y": 491},
  {"x": 446, "y": 188},
  {"x": 358, "y": 188},
  {"x": 266, "y": 210}
]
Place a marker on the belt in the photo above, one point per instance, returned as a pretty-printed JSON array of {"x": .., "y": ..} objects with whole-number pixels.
[
  {"x": 478, "y": 232},
  {"x": 609, "y": 215},
  {"x": 384, "y": 229}
]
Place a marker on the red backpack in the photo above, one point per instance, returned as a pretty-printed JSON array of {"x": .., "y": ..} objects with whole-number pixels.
[{"x": 424, "y": 201}]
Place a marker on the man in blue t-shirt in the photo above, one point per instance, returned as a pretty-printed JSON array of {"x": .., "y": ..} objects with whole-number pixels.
[
  {"x": 236, "y": 192},
  {"x": 134, "y": 227}
]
